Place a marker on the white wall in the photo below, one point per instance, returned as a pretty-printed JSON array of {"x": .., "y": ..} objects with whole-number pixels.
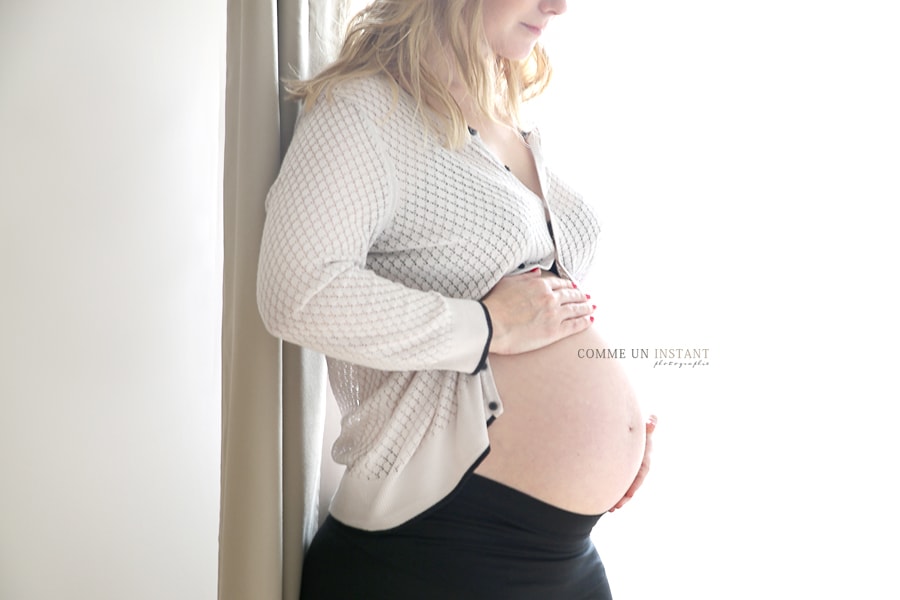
[
  {"x": 110, "y": 262},
  {"x": 744, "y": 158}
]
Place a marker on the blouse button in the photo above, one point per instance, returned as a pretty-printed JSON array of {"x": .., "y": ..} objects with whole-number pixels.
[{"x": 493, "y": 406}]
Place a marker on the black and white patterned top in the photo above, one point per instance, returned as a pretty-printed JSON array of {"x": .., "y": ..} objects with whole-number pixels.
[{"x": 377, "y": 245}]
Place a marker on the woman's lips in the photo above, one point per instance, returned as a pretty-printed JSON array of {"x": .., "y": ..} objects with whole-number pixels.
[{"x": 534, "y": 30}]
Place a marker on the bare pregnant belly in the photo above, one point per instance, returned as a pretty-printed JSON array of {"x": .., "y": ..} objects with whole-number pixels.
[{"x": 571, "y": 433}]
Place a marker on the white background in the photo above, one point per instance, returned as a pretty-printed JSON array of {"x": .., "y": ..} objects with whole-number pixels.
[
  {"x": 110, "y": 310},
  {"x": 745, "y": 161}
]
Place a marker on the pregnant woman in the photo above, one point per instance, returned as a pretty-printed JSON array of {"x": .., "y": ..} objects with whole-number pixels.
[{"x": 416, "y": 237}]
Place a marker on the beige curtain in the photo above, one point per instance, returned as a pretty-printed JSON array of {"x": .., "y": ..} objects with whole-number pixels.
[{"x": 273, "y": 393}]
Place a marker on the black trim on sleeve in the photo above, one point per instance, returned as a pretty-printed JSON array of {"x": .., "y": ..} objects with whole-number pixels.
[{"x": 482, "y": 364}]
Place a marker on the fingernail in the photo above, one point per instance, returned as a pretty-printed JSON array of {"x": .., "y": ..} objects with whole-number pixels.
[
  {"x": 574, "y": 286},
  {"x": 588, "y": 296},
  {"x": 592, "y": 318},
  {"x": 594, "y": 306}
]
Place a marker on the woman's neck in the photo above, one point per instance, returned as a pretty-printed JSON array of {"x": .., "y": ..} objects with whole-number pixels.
[{"x": 444, "y": 66}]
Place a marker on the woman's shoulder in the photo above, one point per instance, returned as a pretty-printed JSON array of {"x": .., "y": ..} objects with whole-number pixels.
[
  {"x": 362, "y": 87},
  {"x": 367, "y": 100},
  {"x": 376, "y": 95}
]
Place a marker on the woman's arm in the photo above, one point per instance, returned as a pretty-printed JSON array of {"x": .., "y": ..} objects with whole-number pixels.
[{"x": 332, "y": 198}]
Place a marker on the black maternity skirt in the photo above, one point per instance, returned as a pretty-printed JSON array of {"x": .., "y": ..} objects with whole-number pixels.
[{"x": 486, "y": 541}]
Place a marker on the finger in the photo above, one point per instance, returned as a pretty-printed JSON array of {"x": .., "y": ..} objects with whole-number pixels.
[
  {"x": 651, "y": 424},
  {"x": 533, "y": 273},
  {"x": 623, "y": 501},
  {"x": 574, "y": 325},
  {"x": 631, "y": 491},
  {"x": 558, "y": 283},
  {"x": 571, "y": 296},
  {"x": 573, "y": 310},
  {"x": 635, "y": 485}
]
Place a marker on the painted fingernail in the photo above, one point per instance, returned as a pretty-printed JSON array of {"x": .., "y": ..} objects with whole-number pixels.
[
  {"x": 594, "y": 306},
  {"x": 592, "y": 318},
  {"x": 588, "y": 296}
]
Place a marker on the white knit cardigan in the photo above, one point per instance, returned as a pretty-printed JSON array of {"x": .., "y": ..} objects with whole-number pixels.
[{"x": 377, "y": 245}]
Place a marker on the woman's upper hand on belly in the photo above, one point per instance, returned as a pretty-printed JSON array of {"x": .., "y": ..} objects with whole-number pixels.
[{"x": 530, "y": 311}]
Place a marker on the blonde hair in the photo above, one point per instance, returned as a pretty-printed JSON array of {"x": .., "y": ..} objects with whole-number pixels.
[{"x": 400, "y": 38}]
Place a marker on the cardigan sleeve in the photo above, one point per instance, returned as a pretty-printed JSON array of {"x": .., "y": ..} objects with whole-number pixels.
[{"x": 333, "y": 196}]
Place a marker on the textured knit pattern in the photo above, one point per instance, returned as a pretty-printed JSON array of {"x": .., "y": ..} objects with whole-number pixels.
[{"x": 378, "y": 243}]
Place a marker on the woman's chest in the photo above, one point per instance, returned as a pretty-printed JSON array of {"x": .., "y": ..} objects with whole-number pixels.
[{"x": 458, "y": 225}]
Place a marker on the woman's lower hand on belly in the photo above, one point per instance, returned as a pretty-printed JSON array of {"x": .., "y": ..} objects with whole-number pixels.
[
  {"x": 645, "y": 465},
  {"x": 530, "y": 311}
]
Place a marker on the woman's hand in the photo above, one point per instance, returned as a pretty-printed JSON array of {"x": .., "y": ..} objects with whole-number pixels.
[
  {"x": 532, "y": 310},
  {"x": 645, "y": 465}
]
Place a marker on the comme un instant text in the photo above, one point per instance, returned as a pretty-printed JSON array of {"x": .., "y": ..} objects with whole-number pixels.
[{"x": 656, "y": 353}]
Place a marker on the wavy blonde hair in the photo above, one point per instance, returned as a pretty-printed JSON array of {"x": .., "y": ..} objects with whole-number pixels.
[{"x": 400, "y": 38}]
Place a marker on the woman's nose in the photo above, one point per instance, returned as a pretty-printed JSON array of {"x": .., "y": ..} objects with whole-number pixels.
[{"x": 554, "y": 7}]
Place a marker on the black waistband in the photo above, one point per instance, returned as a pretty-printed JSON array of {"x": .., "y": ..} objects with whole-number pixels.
[
  {"x": 528, "y": 512},
  {"x": 482, "y": 512},
  {"x": 485, "y": 541}
]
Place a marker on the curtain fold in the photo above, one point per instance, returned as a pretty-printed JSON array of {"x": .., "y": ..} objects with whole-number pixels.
[{"x": 273, "y": 393}]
